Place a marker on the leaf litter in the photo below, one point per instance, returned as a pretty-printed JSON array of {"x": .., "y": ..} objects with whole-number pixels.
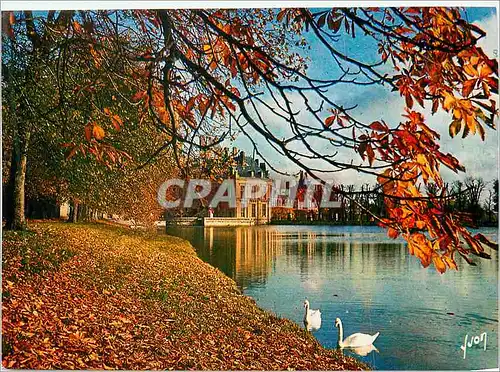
[{"x": 94, "y": 296}]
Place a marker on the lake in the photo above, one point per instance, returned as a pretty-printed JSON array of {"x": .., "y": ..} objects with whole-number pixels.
[{"x": 369, "y": 281}]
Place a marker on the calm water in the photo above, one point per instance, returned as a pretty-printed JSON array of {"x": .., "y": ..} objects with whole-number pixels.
[{"x": 370, "y": 282}]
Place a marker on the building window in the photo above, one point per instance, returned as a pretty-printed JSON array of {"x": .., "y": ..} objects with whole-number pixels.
[
  {"x": 254, "y": 210},
  {"x": 264, "y": 210},
  {"x": 242, "y": 212},
  {"x": 242, "y": 191},
  {"x": 287, "y": 185}
]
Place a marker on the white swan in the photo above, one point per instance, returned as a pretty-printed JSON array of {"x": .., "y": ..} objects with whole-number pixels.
[
  {"x": 312, "y": 318},
  {"x": 356, "y": 340}
]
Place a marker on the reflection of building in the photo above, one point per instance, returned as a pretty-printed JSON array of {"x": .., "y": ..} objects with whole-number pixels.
[
  {"x": 250, "y": 255},
  {"x": 255, "y": 251},
  {"x": 244, "y": 254}
]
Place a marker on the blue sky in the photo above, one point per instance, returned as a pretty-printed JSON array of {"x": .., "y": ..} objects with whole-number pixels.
[{"x": 376, "y": 102}]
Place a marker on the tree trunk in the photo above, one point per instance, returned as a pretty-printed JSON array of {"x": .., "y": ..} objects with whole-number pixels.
[
  {"x": 8, "y": 196},
  {"x": 82, "y": 213},
  {"x": 16, "y": 219},
  {"x": 73, "y": 216}
]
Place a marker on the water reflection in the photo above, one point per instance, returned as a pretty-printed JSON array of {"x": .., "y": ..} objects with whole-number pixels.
[
  {"x": 369, "y": 281},
  {"x": 244, "y": 254},
  {"x": 363, "y": 350},
  {"x": 248, "y": 254}
]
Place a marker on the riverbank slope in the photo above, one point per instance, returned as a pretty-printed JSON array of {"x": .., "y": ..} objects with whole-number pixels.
[{"x": 91, "y": 296}]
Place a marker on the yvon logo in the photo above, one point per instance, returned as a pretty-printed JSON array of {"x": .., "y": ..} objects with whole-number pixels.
[{"x": 483, "y": 337}]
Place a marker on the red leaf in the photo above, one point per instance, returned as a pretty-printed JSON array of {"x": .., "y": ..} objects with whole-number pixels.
[
  {"x": 334, "y": 24},
  {"x": 329, "y": 120},
  {"x": 139, "y": 95},
  {"x": 468, "y": 87},
  {"x": 483, "y": 239},
  {"x": 377, "y": 125},
  {"x": 77, "y": 27},
  {"x": 435, "y": 105},
  {"x": 392, "y": 233},
  {"x": 322, "y": 20}
]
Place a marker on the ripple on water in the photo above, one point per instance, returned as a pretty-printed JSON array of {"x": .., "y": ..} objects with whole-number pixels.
[{"x": 370, "y": 282}]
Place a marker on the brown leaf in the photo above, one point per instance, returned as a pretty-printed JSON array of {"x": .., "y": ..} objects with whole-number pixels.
[
  {"x": 370, "y": 153},
  {"x": 455, "y": 127},
  {"x": 88, "y": 132},
  {"x": 117, "y": 122},
  {"x": 362, "y": 149}
]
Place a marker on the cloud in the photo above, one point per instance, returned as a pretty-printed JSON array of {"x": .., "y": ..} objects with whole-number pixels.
[
  {"x": 480, "y": 158},
  {"x": 490, "y": 42}
]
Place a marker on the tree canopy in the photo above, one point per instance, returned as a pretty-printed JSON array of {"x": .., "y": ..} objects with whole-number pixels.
[{"x": 81, "y": 77}]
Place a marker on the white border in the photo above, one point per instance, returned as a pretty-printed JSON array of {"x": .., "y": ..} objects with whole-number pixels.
[{"x": 151, "y": 4}]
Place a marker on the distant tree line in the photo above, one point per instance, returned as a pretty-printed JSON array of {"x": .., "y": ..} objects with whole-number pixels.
[{"x": 474, "y": 198}]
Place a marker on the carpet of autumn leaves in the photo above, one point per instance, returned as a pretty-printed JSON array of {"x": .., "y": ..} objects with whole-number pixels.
[{"x": 95, "y": 296}]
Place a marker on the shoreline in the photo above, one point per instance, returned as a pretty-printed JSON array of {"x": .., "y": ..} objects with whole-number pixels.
[
  {"x": 99, "y": 296},
  {"x": 306, "y": 223}
]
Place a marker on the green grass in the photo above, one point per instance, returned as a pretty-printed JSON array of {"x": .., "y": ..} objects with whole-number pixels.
[{"x": 39, "y": 252}]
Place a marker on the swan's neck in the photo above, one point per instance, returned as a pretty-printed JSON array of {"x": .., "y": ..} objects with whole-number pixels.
[
  {"x": 306, "y": 315},
  {"x": 341, "y": 334}
]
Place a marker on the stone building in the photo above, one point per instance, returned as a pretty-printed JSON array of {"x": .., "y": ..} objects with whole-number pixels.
[{"x": 248, "y": 174}]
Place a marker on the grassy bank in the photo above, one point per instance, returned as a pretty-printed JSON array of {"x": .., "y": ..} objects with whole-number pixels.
[{"x": 97, "y": 296}]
